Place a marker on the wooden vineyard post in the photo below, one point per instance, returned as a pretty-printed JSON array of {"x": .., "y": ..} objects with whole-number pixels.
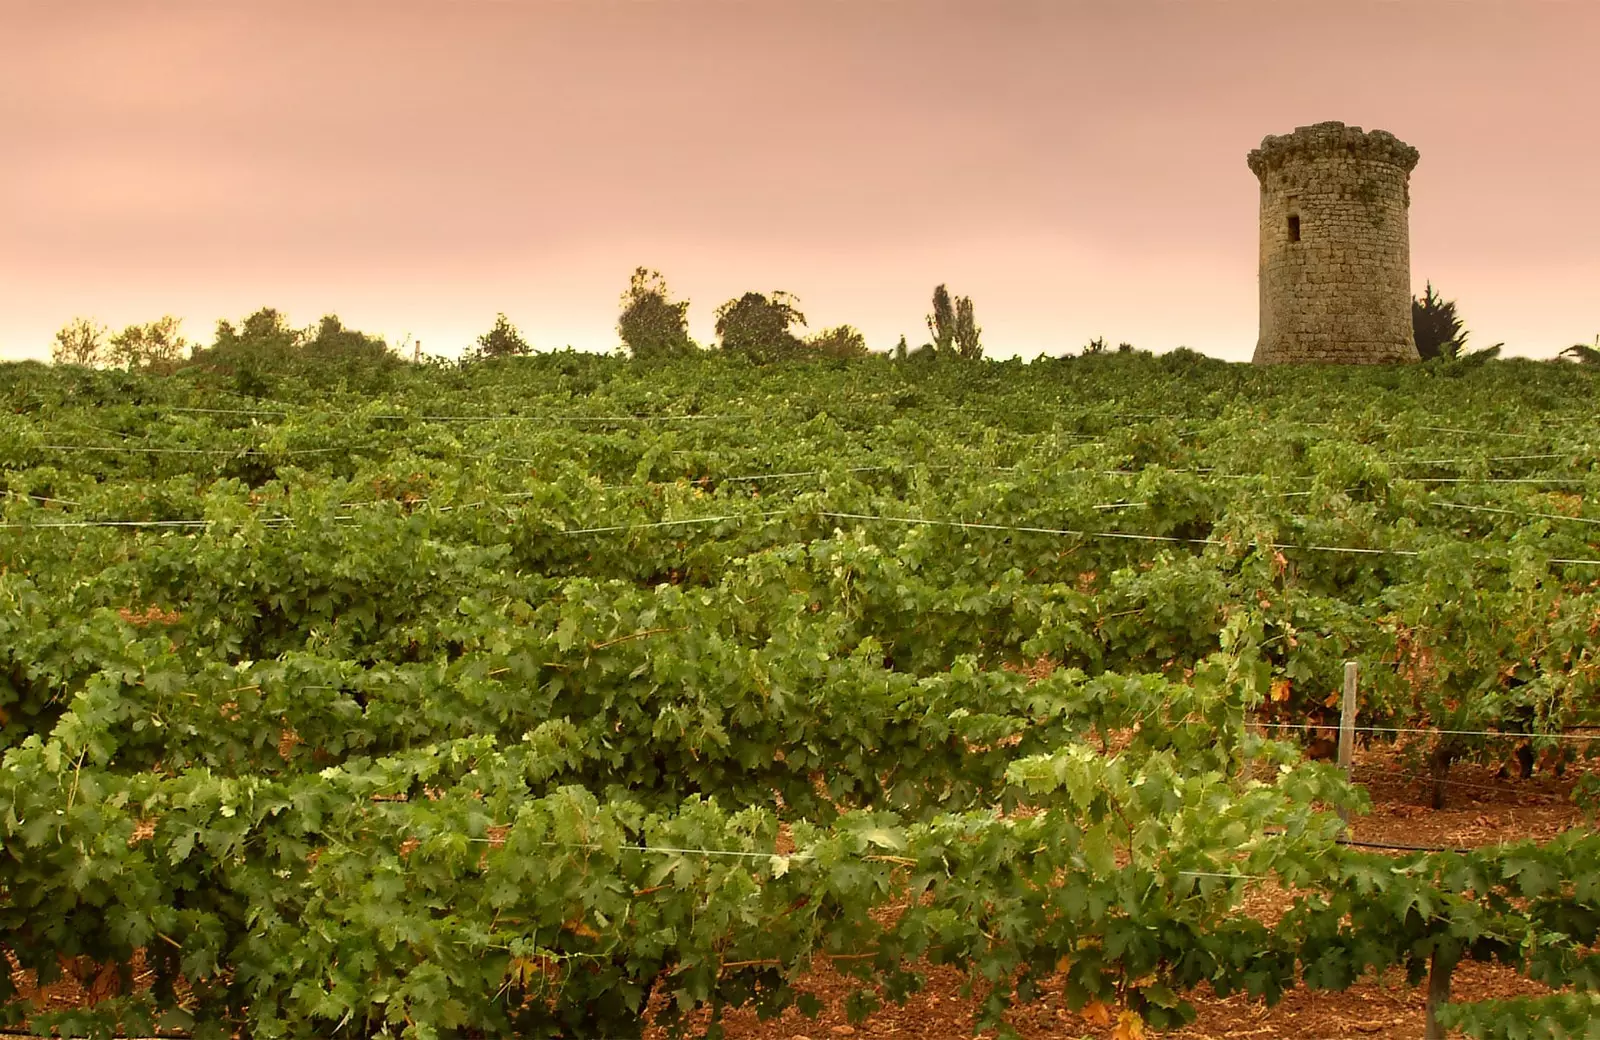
[{"x": 1347, "y": 727}]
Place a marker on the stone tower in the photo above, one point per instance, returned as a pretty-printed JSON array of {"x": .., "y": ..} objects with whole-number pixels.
[{"x": 1335, "y": 247}]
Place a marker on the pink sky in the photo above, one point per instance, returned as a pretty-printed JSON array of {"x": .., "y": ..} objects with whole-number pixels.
[{"x": 1078, "y": 168}]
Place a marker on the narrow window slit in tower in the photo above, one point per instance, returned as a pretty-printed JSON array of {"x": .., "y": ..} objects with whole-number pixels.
[{"x": 1294, "y": 228}]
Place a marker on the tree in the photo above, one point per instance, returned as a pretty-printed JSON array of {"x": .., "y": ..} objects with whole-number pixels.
[
  {"x": 329, "y": 338},
  {"x": 967, "y": 331},
  {"x": 942, "y": 322},
  {"x": 156, "y": 344},
  {"x": 757, "y": 326},
  {"x": 842, "y": 342},
  {"x": 266, "y": 331},
  {"x": 501, "y": 341},
  {"x": 955, "y": 330},
  {"x": 1095, "y": 346},
  {"x": 1584, "y": 354},
  {"x": 262, "y": 343},
  {"x": 1436, "y": 327},
  {"x": 652, "y": 325},
  {"x": 81, "y": 342}
]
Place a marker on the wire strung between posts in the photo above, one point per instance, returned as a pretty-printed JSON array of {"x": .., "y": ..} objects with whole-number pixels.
[
  {"x": 1023, "y": 530},
  {"x": 229, "y": 411},
  {"x": 1067, "y": 532},
  {"x": 1115, "y": 534},
  {"x": 686, "y": 418},
  {"x": 280, "y": 521},
  {"x": 691, "y": 480},
  {"x": 1433, "y": 732},
  {"x": 669, "y": 850},
  {"x": 753, "y": 477},
  {"x": 111, "y": 523},
  {"x": 791, "y": 857},
  {"x": 613, "y": 487},
  {"x": 1359, "y": 844},
  {"x": 671, "y": 523},
  {"x": 43, "y": 498},
  {"x": 1500, "y": 480},
  {"x": 184, "y": 451},
  {"x": 470, "y": 418},
  {"x": 559, "y": 418},
  {"x": 1093, "y": 413},
  {"x": 1220, "y": 874},
  {"x": 496, "y": 457},
  {"x": 499, "y": 457},
  {"x": 1484, "y": 433},
  {"x": 851, "y": 469},
  {"x": 1169, "y": 538},
  {"x": 1491, "y": 458},
  {"x": 1516, "y": 512}
]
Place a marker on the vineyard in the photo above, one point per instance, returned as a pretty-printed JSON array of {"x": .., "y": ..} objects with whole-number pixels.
[{"x": 571, "y": 696}]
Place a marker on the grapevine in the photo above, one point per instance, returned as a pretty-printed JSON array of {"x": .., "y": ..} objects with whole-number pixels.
[{"x": 517, "y": 699}]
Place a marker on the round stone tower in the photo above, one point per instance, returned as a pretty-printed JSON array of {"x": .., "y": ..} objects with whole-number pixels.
[{"x": 1335, "y": 247}]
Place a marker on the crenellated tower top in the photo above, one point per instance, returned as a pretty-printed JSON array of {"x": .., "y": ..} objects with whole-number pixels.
[{"x": 1321, "y": 139}]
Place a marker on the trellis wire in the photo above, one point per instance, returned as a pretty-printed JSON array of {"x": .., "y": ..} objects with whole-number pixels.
[
  {"x": 1516, "y": 512},
  {"x": 1435, "y": 732},
  {"x": 792, "y": 857},
  {"x": 500, "y": 457},
  {"x": 467, "y": 418},
  {"x": 140, "y": 450},
  {"x": 915, "y": 521}
]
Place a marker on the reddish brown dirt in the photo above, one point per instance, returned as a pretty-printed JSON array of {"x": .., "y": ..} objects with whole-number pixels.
[{"x": 1383, "y": 1007}]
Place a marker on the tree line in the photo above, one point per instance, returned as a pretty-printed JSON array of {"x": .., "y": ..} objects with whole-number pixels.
[
  {"x": 652, "y": 325},
  {"x": 763, "y": 327}
]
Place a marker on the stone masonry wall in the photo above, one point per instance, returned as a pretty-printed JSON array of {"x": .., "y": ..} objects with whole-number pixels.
[{"x": 1342, "y": 292}]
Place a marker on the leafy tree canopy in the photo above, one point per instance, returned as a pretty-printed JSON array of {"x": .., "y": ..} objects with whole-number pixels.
[
  {"x": 841, "y": 342},
  {"x": 503, "y": 340},
  {"x": 942, "y": 322},
  {"x": 267, "y": 331},
  {"x": 757, "y": 326},
  {"x": 331, "y": 338},
  {"x": 81, "y": 342},
  {"x": 652, "y": 324},
  {"x": 953, "y": 326},
  {"x": 155, "y": 344},
  {"x": 1583, "y": 353},
  {"x": 967, "y": 332}
]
